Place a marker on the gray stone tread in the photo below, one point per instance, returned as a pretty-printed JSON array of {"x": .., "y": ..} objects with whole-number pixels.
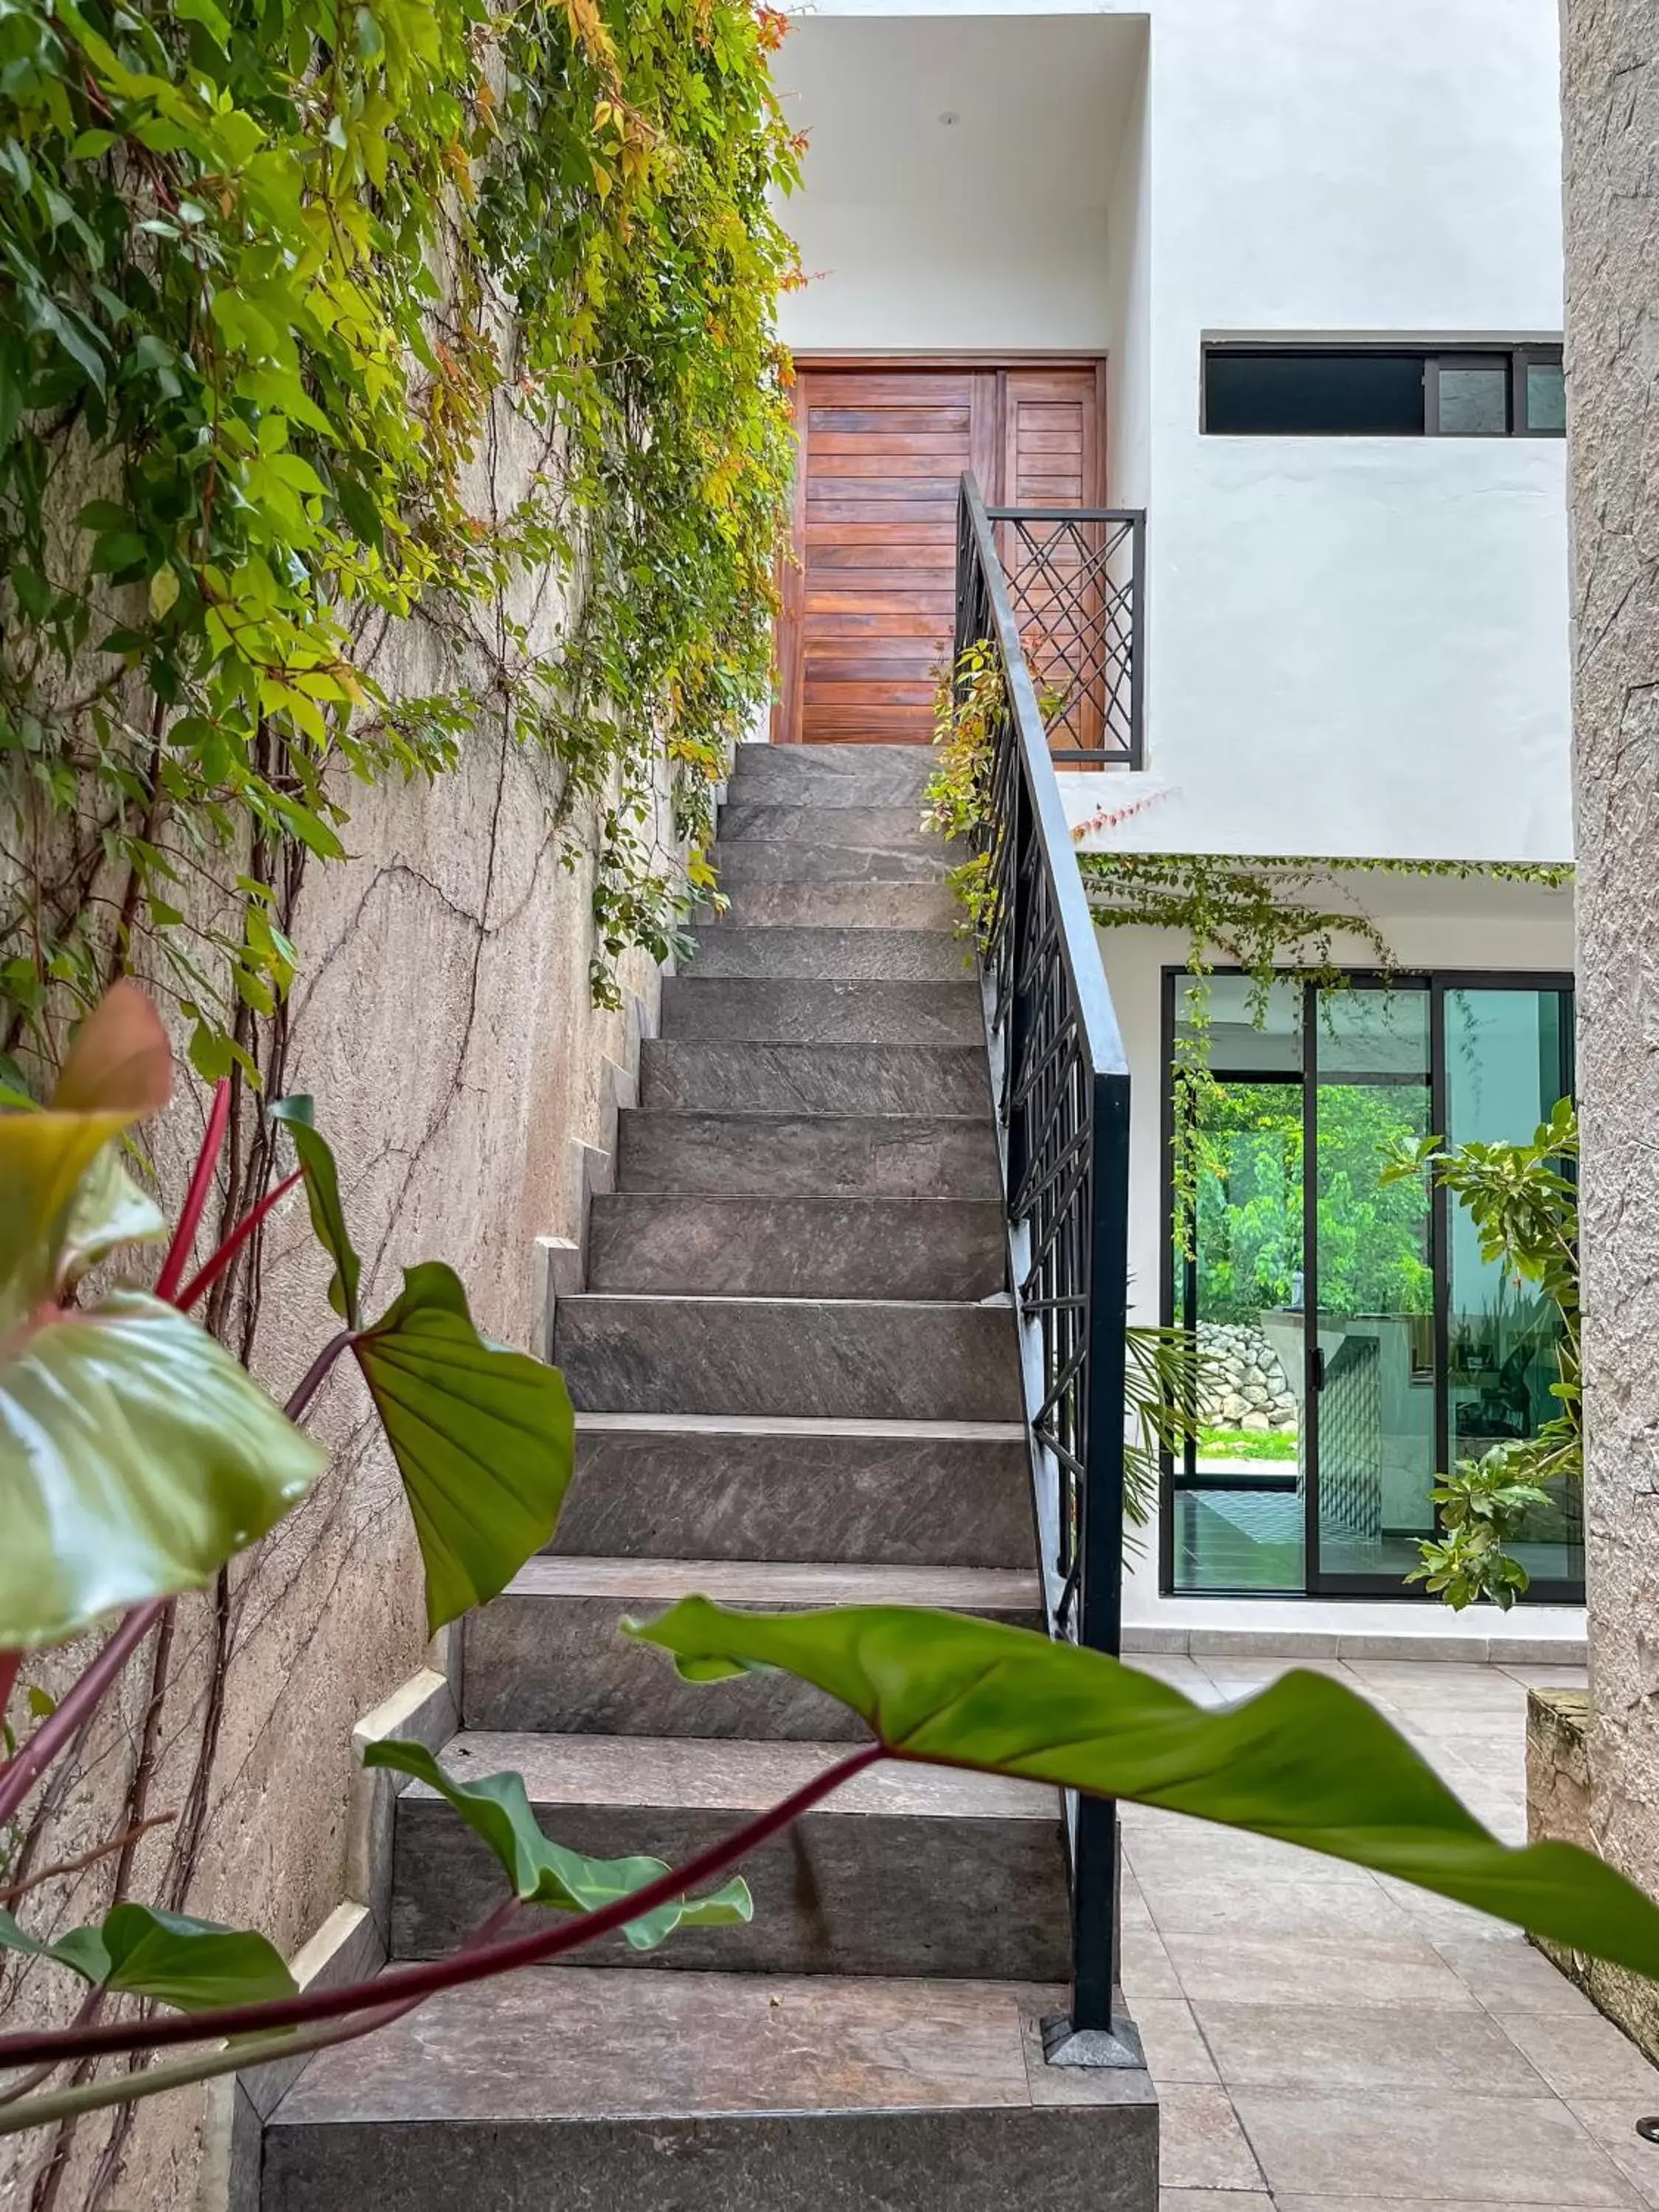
[
  {"x": 829, "y": 1010},
  {"x": 778, "y": 1582},
  {"x": 812, "y": 951},
  {"x": 566, "y": 2043},
  {"x": 880, "y": 828},
  {"x": 690, "y": 1152},
  {"x": 705, "y": 1775},
  {"x": 842, "y": 1243}
]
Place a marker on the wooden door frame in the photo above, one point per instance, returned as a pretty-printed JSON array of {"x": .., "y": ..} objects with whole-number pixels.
[{"x": 789, "y": 629}]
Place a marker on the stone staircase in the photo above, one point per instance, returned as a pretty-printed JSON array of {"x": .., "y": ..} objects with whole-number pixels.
[{"x": 795, "y": 1367}]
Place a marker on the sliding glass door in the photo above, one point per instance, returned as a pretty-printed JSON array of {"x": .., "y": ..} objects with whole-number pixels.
[{"x": 1356, "y": 1342}]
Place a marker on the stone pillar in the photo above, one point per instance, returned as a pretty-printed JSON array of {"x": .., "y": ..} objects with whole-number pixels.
[{"x": 1611, "y": 121}]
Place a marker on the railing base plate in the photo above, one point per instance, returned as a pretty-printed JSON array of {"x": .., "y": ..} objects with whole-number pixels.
[{"x": 1117, "y": 2045}]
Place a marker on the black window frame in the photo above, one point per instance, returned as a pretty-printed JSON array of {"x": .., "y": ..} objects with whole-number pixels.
[
  {"x": 1174, "y": 1307},
  {"x": 1516, "y": 358}
]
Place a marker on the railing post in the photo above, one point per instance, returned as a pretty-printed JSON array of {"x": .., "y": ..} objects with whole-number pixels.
[{"x": 1096, "y": 2034}]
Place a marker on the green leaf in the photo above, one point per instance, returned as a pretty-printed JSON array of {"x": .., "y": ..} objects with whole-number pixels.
[
  {"x": 136, "y": 1456},
  {"x": 497, "y": 1809},
  {"x": 1306, "y": 1761},
  {"x": 323, "y": 1197},
  {"x": 191, "y": 1965},
  {"x": 485, "y": 1439}
]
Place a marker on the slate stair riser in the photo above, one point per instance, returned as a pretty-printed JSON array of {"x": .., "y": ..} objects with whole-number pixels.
[
  {"x": 954, "y": 1502},
  {"x": 978, "y": 2159},
  {"x": 767, "y": 1011},
  {"x": 715, "y": 1076},
  {"x": 855, "y": 1360},
  {"x": 810, "y": 1248},
  {"x": 871, "y": 906},
  {"x": 811, "y": 861},
  {"x": 840, "y": 1893},
  {"x": 828, "y": 778},
  {"x": 559, "y": 1666},
  {"x": 858, "y": 829},
  {"x": 877, "y": 956},
  {"x": 689, "y": 1154}
]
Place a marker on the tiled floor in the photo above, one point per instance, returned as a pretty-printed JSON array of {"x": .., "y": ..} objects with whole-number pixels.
[{"x": 1327, "y": 2040}]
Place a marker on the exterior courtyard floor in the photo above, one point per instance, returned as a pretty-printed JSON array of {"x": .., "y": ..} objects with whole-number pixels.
[{"x": 1326, "y": 2040}]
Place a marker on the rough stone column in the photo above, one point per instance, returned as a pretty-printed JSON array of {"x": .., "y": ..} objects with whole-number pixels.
[{"x": 1611, "y": 121}]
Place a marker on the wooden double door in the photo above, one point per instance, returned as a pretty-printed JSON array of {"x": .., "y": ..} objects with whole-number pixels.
[{"x": 869, "y": 602}]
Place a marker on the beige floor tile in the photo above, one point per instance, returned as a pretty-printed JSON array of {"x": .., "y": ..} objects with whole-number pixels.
[
  {"x": 1442, "y": 1918},
  {"x": 1212, "y": 2200},
  {"x": 1611, "y": 2121},
  {"x": 1583, "y": 2055},
  {"x": 1289, "y": 1970},
  {"x": 1200, "y": 2143},
  {"x": 1389, "y": 2143},
  {"x": 1332, "y": 2047},
  {"x": 1302, "y": 1906},
  {"x": 1507, "y": 1975},
  {"x": 1281, "y": 2203},
  {"x": 1145, "y": 1969},
  {"x": 1176, "y": 2051}
]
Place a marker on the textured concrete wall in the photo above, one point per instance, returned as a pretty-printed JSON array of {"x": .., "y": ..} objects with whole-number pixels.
[
  {"x": 1611, "y": 81},
  {"x": 442, "y": 1019}
]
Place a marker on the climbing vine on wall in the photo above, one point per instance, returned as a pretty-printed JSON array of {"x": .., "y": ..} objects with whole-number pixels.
[{"x": 272, "y": 273}]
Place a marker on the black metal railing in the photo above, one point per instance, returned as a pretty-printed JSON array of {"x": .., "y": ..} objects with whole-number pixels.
[
  {"x": 1062, "y": 1091},
  {"x": 1074, "y": 578}
]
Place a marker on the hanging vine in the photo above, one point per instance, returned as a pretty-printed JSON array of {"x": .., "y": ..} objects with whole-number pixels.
[{"x": 272, "y": 273}]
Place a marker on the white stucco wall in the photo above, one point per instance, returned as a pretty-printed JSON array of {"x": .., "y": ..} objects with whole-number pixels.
[{"x": 1355, "y": 645}]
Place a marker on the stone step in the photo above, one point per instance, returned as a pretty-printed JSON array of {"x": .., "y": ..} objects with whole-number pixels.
[
  {"x": 743, "y": 861},
  {"x": 843, "y": 905},
  {"x": 774, "y": 1011},
  {"x": 751, "y": 1077},
  {"x": 857, "y": 829},
  {"x": 567, "y": 2089},
  {"x": 727, "y": 1486},
  {"x": 869, "y": 1360},
  {"x": 907, "y": 1869},
  {"x": 747, "y": 1247},
  {"x": 807, "y": 1154},
  {"x": 832, "y": 775},
  {"x": 884, "y": 956},
  {"x": 547, "y": 1654}
]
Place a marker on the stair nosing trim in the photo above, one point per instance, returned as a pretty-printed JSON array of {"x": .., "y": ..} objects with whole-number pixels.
[{"x": 799, "y": 1425}]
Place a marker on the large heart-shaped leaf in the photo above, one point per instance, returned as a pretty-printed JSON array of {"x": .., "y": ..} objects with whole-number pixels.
[
  {"x": 497, "y": 1809},
  {"x": 485, "y": 1439},
  {"x": 136, "y": 1456},
  {"x": 1305, "y": 1761},
  {"x": 191, "y": 1965}
]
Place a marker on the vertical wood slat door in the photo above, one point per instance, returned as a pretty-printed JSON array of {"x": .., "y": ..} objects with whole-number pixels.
[
  {"x": 1051, "y": 457},
  {"x": 869, "y": 605}
]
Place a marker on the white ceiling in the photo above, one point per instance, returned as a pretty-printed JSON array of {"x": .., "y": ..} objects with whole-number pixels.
[{"x": 1040, "y": 99}]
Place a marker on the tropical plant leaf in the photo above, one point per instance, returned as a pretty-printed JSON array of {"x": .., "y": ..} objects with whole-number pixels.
[
  {"x": 1305, "y": 1761},
  {"x": 323, "y": 1197},
  {"x": 136, "y": 1456},
  {"x": 485, "y": 1439},
  {"x": 497, "y": 1809},
  {"x": 191, "y": 1965}
]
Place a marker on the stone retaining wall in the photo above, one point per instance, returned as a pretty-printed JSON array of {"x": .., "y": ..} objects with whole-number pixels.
[{"x": 1245, "y": 1386}]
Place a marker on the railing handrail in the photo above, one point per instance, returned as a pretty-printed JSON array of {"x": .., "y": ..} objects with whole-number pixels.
[
  {"x": 1066, "y": 513},
  {"x": 1097, "y": 1018},
  {"x": 1062, "y": 1086}
]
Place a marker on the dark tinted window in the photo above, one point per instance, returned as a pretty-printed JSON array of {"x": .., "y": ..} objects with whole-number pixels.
[{"x": 1257, "y": 394}]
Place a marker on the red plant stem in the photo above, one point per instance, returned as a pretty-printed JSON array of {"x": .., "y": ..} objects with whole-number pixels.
[
  {"x": 408, "y": 1984},
  {"x": 10, "y": 1663},
  {"x": 19, "y": 1775},
  {"x": 312, "y": 1380},
  {"x": 232, "y": 1244},
  {"x": 196, "y": 1198}
]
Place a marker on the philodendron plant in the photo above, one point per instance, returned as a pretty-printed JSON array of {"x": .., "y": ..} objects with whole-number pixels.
[{"x": 136, "y": 1456}]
